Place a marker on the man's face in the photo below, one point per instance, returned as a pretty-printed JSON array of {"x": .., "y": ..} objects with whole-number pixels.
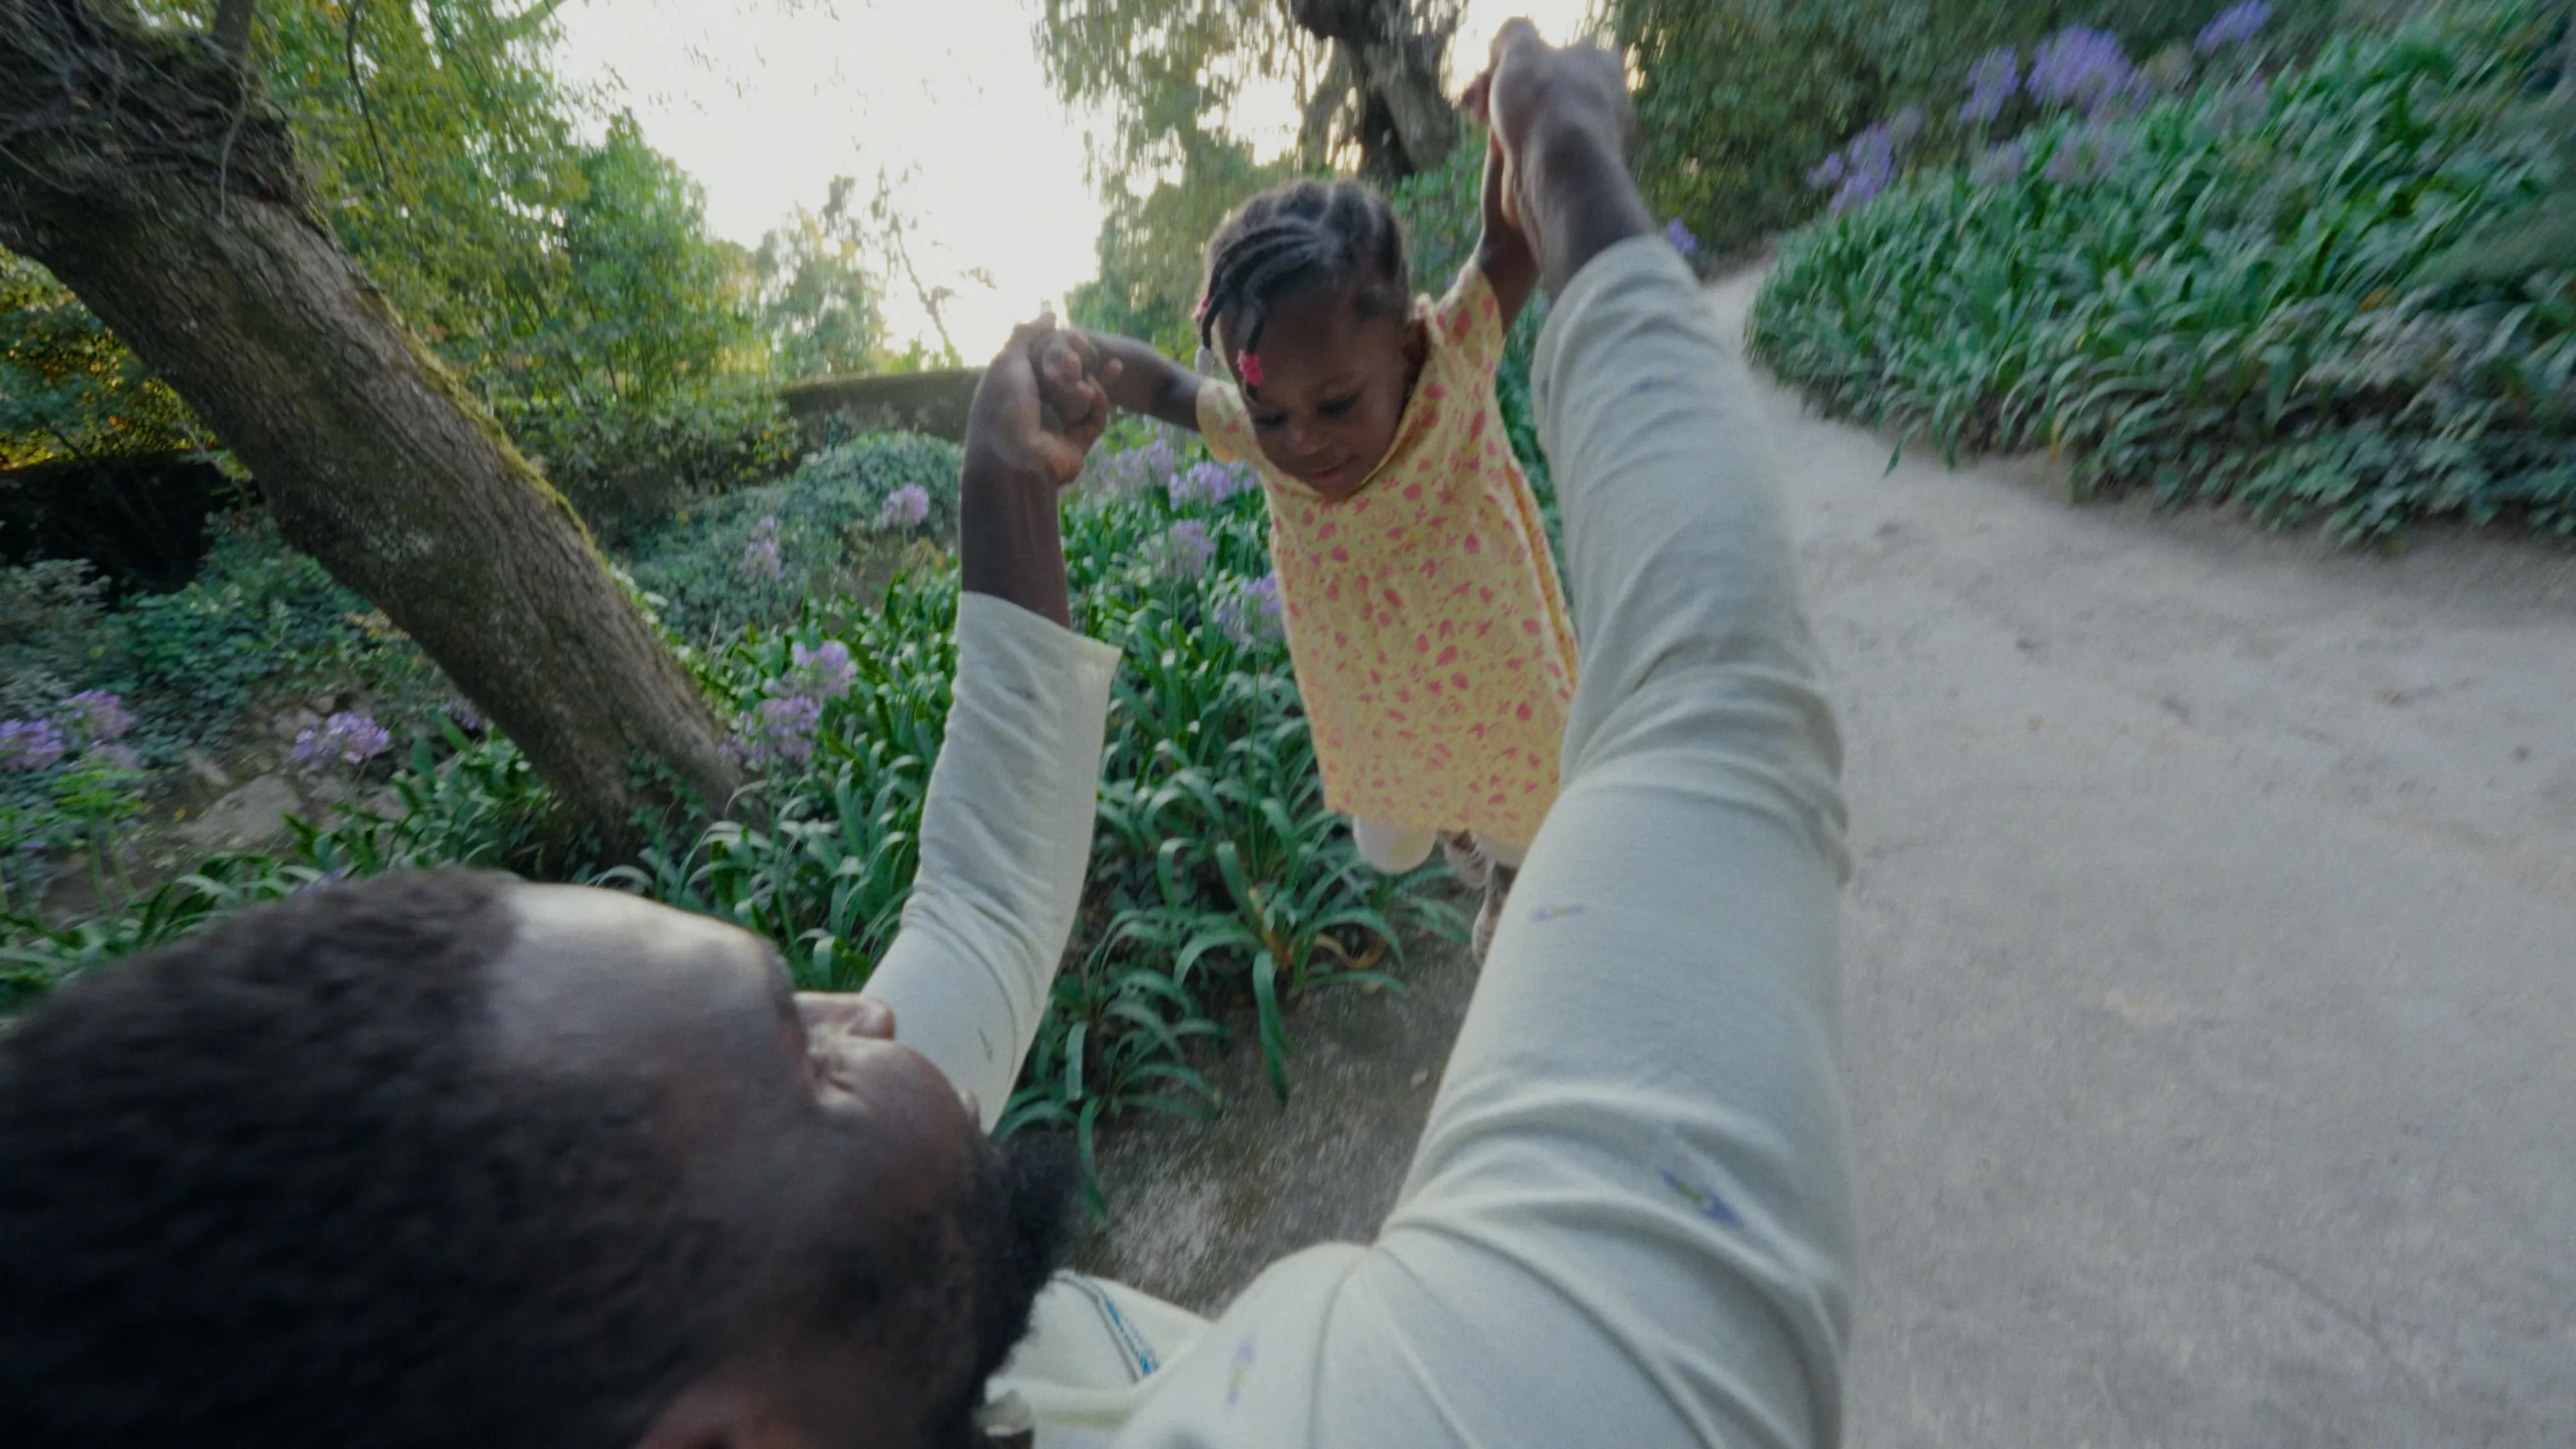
[{"x": 902, "y": 1250}]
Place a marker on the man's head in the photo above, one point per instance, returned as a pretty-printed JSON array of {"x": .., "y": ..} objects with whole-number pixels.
[{"x": 443, "y": 1159}]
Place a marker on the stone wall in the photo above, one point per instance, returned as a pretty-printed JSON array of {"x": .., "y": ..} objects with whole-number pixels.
[{"x": 832, "y": 408}]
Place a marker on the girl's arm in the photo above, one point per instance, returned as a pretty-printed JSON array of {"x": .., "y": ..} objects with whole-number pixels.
[
  {"x": 1132, "y": 374},
  {"x": 1504, "y": 256}
]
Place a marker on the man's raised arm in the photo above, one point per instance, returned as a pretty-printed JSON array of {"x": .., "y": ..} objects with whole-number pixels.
[
  {"x": 1629, "y": 1219},
  {"x": 1006, "y": 828}
]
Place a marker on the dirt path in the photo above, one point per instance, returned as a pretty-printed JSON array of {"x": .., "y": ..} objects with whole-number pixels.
[{"x": 2211, "y": 982}]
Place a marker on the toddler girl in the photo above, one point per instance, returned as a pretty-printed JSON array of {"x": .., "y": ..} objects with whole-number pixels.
[{"x": 1424, "y": 617}]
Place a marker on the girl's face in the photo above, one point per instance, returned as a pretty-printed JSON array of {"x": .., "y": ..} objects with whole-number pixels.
[{"x": 1333, "y": 386}]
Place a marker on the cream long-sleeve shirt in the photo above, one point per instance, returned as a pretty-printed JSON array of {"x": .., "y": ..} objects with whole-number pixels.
[{"x": 1629, "y": 1218}]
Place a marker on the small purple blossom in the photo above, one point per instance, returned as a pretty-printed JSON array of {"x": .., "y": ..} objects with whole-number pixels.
[
  {"x": 1209, "y": 483},
  {"x": 779, "y": 731},
  {"x": 347, "y": 738},
  {"x": 2233, "y": 26},
  {"x": 1992, "y": 83},
  {"x": 823, "y": 672},
  {"x": 2081, "y": 67},
  {"x": 1250, "y": 613},
  {"x": 906, "y": 509},
  {"x": 324, "y": 881},
  {"x": 1187, "y": 549},
  {"x": 1681, "y": 238},
  {"x": 2087, "y": 155},
  {"x": 1132, "y": 470},
  {"x": 2000, "y": 165},
  {"x": 1869, "y": 167},
  {"x": 30, "y": 744},
  {"x": 97, "y": 716},
  {"x": 117, "y": 757},
  {"x": 1826, "y": 172},
  {"x": 467, "y": 717},
  {"x": 760, "y": 556},
  {"x": 2240, "y": 106}
]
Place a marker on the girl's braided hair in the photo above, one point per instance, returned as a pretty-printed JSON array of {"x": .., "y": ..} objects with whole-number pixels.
[{"x": 1303, "y": 235}]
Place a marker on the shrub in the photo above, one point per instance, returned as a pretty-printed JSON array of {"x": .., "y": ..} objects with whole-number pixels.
[
  {"x": 1737, "y": 100},
  {"x": 54, "y": 634},
  {"x": 2216, "y": 297},
  {"x": 755, "y": 555},
  {"x": 622, "y": 465},
  {"x": 259, "y": 617}
]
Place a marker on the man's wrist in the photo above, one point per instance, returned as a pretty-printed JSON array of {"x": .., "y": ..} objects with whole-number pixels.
[
  {"x": 1578, "y": 199},
  {"x": 1010, "y": 541}
]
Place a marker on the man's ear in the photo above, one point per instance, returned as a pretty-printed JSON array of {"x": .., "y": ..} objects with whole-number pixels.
[{"x": 724, "y": 1410}]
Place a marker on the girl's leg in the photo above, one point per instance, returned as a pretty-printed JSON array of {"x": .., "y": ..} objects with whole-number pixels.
[
  {"x": 1391, "y": 849},
  {"x": 1502, "y": 861}
]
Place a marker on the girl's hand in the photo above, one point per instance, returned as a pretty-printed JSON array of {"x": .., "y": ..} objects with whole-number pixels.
[{"x": 1073, "y": 381}]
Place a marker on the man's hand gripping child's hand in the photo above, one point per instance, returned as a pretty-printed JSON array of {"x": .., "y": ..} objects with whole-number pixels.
[{"x": 1073, "y": 382}]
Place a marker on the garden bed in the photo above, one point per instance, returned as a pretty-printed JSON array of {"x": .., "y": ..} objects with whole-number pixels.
[{"x": 2244, "y": 286}]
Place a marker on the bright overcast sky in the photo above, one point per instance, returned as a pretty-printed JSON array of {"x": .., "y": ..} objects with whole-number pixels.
[{"x": 765, "y": 101}]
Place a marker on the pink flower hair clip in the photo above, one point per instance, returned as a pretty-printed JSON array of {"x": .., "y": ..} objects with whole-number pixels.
[{"x": 1248, "y": 364}]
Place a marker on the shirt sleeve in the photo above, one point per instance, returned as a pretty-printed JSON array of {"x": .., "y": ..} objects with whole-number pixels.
[
  {"x": 1640, "y": 1151},
  {"x": 1470, "y": 318},
  {"x": 1224, "y": 423},
  {"x": 1005, "y": 843}
]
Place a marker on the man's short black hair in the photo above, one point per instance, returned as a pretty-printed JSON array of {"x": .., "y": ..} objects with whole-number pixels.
[{"x": 264, "y": 1187}]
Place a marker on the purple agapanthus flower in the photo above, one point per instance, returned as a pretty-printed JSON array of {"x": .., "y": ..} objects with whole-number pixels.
[
  {"x": 760, "y": 556},
  {"x": 1827, "y": 172},
  {"x": 1992, "y": 83},
  {"x": 823, "y": 672},
  {"x": 30, "y": 744},
  {"x": 2233, "y": 26},
  {"x": 1681, "y": 237},
  {"x": 1209, "y": 483},
  {"x": 1132, "y": 470},
  {"x": 1250, "y": 614},
  {"x": 779, "y": 731},
  {"x": 906, "y": 509},
  {"x": 1187, "y": 549},
  {"x": 1997, "y": 165},
  {"x": 2081, "y": 67},
  {"x": 118, "y": 756},
  {"x": 97, "y": 716},
  {"x": 2241, "y": 105},
  {"x": 1869, "y": 167},
  {"x": 347, "y": 738},
  {"x": 2088, "y": 155}
]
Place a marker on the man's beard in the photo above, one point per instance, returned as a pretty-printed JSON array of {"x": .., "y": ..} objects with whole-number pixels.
[
  {"x": 1015, "y": 1225},
  {"x": 1018, "y": 1226}
]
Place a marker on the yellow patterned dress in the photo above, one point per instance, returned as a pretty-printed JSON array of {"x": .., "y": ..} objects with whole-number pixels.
[{"x": 1425, "y": 619}]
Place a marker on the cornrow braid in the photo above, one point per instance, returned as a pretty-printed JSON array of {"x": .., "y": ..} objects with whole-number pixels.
[{"x": 1298, "y": 237}]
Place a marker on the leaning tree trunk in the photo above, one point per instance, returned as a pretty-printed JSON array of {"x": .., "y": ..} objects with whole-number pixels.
[
  {"x": 1384, "y": 75},
  {"x": 144, "y": 167}
]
